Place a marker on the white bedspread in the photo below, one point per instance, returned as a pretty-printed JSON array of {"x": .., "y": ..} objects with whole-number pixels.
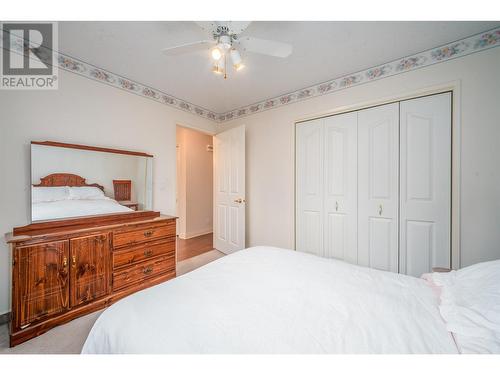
[
  {"x": 75, "y": 207},
  {"x": 269, "y": 300}
]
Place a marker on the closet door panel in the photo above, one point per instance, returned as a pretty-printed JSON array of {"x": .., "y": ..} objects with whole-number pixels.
[
  {"x": 309, "y": 189},
  {"x": 425, "y": 184},
  {"x": 340, "y": 195},
  {"x": 335, "y": 236},
  {"x": 378, "y": 191},
  {"x": 380, "y": 231}
]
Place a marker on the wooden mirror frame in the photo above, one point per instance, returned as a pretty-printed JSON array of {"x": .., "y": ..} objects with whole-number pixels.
[{"x": 90, "y": 148}]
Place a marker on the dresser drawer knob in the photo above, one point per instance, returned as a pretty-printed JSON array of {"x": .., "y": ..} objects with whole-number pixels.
[
  {"x": 148, "y": 253},
  {"x": 147, "y": 270},
  {"x": 148, "y": 233}
]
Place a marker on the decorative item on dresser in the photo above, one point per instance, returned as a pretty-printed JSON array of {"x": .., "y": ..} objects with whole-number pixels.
[{"x": 68, "y": 268}]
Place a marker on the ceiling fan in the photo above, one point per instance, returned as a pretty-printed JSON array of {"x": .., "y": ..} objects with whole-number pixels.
[{"x": 225, "y": 42}]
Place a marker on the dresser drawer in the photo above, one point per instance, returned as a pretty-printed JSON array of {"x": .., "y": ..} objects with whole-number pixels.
[
  {"x": 130, "y": 255},
  {"x": 143, "y": 234},
  {"x": 142, "y": 271}
]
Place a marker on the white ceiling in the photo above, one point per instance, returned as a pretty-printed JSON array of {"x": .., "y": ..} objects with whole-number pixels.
[{"x": 321, "y": 51}]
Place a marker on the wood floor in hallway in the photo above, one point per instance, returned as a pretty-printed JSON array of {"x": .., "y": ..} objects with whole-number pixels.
[{"x": 194, "y": 246}]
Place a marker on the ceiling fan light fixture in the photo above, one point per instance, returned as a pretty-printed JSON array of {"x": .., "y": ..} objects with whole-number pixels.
[
  {"x": 236, "y": 58},
  {"x": 224, "y": 42},
  {"x": 216, "y": 54}
]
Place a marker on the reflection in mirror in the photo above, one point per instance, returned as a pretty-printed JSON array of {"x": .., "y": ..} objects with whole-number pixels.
[{"x": 71, "y": 182}]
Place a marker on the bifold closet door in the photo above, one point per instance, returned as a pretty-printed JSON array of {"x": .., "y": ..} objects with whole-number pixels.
[
  {"x": 309, "y": 187},
  {"x": 425, "y": 212},
  {"x": 340, "y": 188},
  {"x": 378, "y": 191}
]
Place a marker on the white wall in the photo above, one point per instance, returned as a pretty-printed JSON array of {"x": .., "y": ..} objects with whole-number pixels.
[
  {"x": 270, "y": 151},
  {"x": 85, "y": 112},
  {"x": 195, "y": 185}
]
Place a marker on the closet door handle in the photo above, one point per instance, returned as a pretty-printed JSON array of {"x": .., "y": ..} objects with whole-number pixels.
[
  {"x": 380, "y": 210},
  {"x": 336, "y": 206}
]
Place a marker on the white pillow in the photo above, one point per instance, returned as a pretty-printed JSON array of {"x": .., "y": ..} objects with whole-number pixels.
[
  {"x": 85, "y": 192},
  {"x": 470, "y": 306},
  {"x": 49, "y": 193}
]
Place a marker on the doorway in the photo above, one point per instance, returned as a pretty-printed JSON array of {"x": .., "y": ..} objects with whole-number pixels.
[{"x": 194, "y": 193}]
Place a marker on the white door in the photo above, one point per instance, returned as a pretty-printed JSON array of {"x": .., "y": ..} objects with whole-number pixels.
[
  {"x": 229, "y": 190},
  {"x": 340, "y": 187},
  {"x": 378, "y": 201},
  {"x": 309, "y": 187},
  {"x": 425, "y": 226}
]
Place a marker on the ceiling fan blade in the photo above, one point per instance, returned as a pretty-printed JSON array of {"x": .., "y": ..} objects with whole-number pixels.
[
  {"x": 188, "y": 48},
  {"x": 266, "y": 47},
  {"x": 208, "y": 26},
  {"x": 237, "y": 27}
]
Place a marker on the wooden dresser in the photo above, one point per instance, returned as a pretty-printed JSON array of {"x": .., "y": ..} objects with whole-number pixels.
[{"x": 65, "y": 269}]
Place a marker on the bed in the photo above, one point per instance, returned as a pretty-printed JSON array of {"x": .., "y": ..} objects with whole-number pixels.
[
  {"x": 270, "y": 300},
  {"x": 64, "y": 195}
]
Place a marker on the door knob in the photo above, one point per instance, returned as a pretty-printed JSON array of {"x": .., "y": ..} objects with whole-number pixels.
[
  {"x": 239, "y": 200},
  {"x": 380, "y": 210}
]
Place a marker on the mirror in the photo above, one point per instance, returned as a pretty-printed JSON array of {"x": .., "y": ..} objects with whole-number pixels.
[{"x": 70, "y": 181}]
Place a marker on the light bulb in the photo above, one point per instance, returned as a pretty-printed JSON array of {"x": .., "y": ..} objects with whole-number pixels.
[
  {"x": 236, "y": 58},
  {"x": 219, "y": 66},
  {"x": 216, "y": 54}
]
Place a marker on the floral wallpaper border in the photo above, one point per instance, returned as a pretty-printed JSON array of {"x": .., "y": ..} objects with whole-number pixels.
[
  {"x": 82, "y": 68},
  {"x": 476, "y": 43},
  {"x": 467, "y": 46}
]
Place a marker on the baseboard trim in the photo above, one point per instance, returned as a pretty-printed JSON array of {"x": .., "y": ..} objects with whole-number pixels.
[
  {"x": 5, "y": 318},
  {"x": 187, "y": 236}
]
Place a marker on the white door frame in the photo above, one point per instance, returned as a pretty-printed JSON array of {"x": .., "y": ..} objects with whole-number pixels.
[{"x": 455, "y": 88}]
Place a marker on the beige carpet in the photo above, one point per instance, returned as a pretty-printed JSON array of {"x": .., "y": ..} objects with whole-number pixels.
[
  {"x": 200, "y": 260},
  {"x": 69, "y": 338}
]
